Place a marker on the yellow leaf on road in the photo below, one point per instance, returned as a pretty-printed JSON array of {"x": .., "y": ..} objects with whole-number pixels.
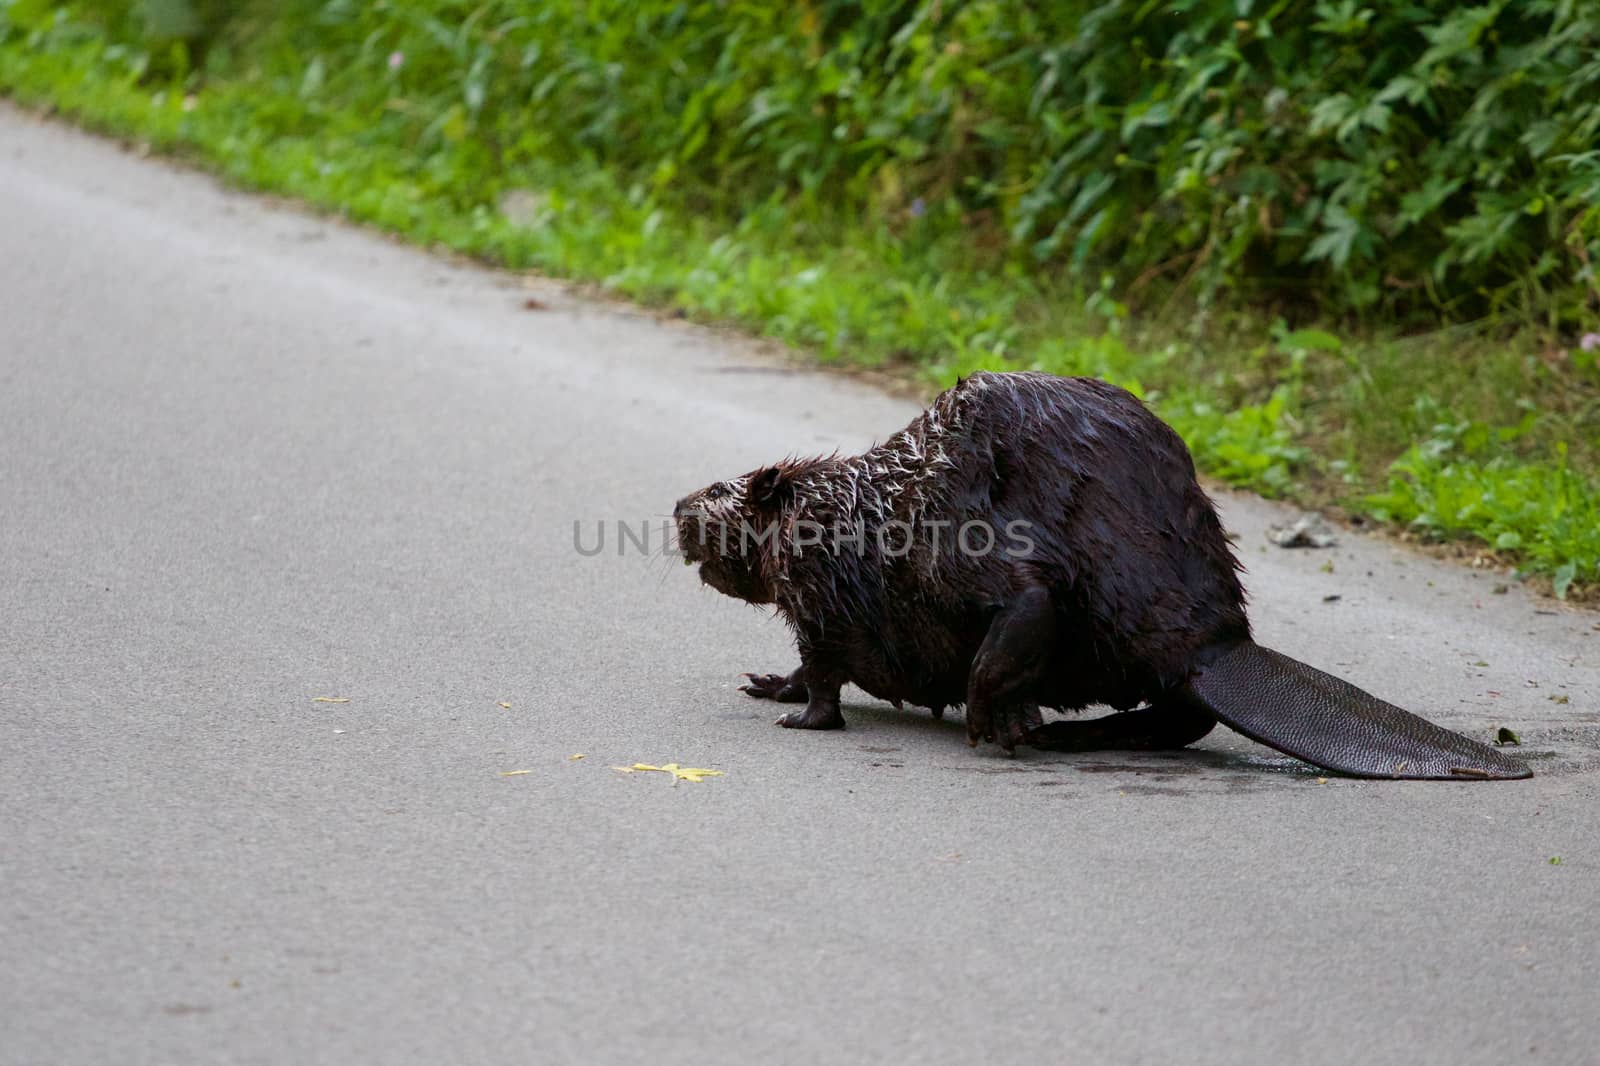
[
  {"x": 505, "y": 704},
  {"x": 514, "y": 773},
  {"x": 570, "y": 758},
  {"x": 679, "y": 773},
  {"x": 330, "y": 699}
]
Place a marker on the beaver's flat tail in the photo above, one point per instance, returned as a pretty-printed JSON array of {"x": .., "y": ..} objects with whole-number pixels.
[{"x": 1301, "y": 711}]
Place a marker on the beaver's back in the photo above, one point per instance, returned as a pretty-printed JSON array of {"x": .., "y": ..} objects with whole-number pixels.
[{"x": 1129, "y": 543}]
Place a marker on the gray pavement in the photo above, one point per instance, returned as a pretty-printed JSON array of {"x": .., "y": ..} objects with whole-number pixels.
[{"x": 249, "y": 458}]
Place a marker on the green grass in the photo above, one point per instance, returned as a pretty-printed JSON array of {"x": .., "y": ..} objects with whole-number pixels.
[{"x": 1481, "y": 435}]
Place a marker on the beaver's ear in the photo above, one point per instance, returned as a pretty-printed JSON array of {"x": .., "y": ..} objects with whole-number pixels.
[{"x": 770, "y": 488}]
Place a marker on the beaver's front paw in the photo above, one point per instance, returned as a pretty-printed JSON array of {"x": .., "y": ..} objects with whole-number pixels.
[
  {"x": 819, "y": 714},
  {"x": 774, "y": 687}
]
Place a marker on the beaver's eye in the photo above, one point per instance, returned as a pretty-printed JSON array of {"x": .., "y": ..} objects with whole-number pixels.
[{"x": 717, "y": 491}]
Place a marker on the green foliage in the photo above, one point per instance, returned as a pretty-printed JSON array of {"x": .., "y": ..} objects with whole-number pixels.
[
  {"x": 1329, "y": 154},
  {"x": 1251, "y": 446},
  {"x": 1550, "y": 518}
]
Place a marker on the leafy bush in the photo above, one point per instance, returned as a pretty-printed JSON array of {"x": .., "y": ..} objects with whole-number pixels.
[{"x": 1420, "y": 157}]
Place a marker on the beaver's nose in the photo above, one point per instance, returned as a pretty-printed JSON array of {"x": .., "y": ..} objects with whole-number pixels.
[{"x": 679, "y": 507}]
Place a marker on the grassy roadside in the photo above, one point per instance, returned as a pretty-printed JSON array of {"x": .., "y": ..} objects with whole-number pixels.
[{"x": 1481, "y": 437}]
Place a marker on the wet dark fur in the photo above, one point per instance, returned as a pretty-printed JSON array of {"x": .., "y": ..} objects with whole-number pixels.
[{"x": 1140, "y": 575}]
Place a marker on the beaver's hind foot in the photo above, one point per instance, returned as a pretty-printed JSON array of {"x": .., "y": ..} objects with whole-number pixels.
[
  {"x": 1158, "y": 728},
  {"x": 1007, "y": 671}
]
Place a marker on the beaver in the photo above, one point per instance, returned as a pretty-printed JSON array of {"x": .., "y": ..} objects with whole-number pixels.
[{"x": 1035, "y": 542}]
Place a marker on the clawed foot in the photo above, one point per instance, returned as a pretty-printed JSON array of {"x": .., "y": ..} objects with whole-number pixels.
[
  {"x": 774, "y": 687},
  {"x": 1007, "y": 725},
  {"x": 819, "y": 714}
]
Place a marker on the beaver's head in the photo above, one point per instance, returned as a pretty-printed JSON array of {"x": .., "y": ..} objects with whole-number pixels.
[{"x": 729, "y": 529}]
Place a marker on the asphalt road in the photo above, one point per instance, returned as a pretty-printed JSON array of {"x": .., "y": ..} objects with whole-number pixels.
[{"x": 249, "y": 458}]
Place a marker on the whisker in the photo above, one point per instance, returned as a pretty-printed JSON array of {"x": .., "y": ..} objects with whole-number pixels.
[{"x": 668, "y": 549}]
